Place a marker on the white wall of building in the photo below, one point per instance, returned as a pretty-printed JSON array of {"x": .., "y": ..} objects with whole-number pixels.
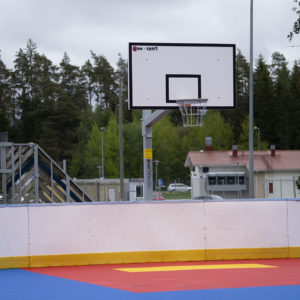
[
  {"x": 283, "y": 183},
  {"x": 126, "y": 227}
]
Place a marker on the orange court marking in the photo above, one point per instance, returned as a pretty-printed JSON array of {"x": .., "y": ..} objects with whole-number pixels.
[{"x": 195, "y": 267}]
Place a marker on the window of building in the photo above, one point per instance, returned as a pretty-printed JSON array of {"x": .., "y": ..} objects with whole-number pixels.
[
  {"x": 205, "y": 169},
  {"x": 241, "y": 179},
  {"x": 221, "y": 180},
  {"x": 230, "y": 179},
  {"x": 139, "y": 191},
  {"x": 212, "y": 180}
]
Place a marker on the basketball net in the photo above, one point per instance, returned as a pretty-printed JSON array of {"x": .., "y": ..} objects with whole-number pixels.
[{"x": 192, "y": 111}]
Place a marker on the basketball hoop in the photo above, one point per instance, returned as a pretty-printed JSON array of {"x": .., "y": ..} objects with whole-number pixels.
[{"x": 192, "y": 111}]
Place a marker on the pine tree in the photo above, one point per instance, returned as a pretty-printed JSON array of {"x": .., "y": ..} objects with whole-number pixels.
[
  {"x": 133, "y": 147},
  {"x": 122, "y": 71},
  {"x": 111, "y": 148},
  {"x": 87, "y": 71},
  {"x": 236, "y": 117},
  {"x": 5, "y": 100},
  {"x": 168, "y": 150},
  {"x": 69, "y": 99},
  {"x": 295, "y": 106},
  {"x": 264, "y": 109},
  {"x": 35, "y": 78},
  {"x": 282, "y": 101},
  {"x": 104, "y": 82},
  {"x": 296, "y": 26},
  {"x": 92, "y": 154}
]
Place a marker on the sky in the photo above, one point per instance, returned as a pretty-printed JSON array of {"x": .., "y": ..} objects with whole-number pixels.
[{"x": 107, "y": 26}]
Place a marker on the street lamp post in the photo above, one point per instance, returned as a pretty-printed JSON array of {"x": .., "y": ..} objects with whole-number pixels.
[
  {"x": 121, "y": 139},
  {"x": 251, "y": 173},
  {"x": 102, "y": 129},
  {"x": 258, "y": 137},
  {"x": 99, "y": 168},
  {"x": 156, "y": 167},
  {"x": 201, "y": 179},
  {"x": 99, "y": 184}
]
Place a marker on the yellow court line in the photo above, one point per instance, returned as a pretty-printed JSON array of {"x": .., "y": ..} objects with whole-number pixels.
[{"x": 195, "y": 267}]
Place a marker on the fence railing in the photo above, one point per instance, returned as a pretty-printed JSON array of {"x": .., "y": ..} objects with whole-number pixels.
[{"x": 29, "y": 175}]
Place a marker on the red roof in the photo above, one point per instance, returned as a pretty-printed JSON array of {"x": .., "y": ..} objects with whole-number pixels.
[{"x": 262, "y": 160}]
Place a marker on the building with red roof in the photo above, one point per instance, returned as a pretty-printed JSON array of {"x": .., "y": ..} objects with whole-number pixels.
[{"x": 226, "y": 173}]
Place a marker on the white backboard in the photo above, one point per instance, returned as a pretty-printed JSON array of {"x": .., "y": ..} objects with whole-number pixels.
[{"x": 161, "y": 73}]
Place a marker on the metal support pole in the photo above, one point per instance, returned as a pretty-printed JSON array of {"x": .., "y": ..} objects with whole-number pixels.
[
  {"x": 258, "y": 137},
  {"x": 251, "y": 176},
  {"x": 97, "y": 190},
  {"x": 3, "y": 172},
  {"x": 121, "y": 141},
  {"x": 20, "y": 173},
  {"x": 149, "y": 119},
  {"x": 36, "y": 174},
  {"x": 100, "y": 172},
  {"x": 102, "y": 129},
  {"x": 65, "y": 165},
  {"x": 67, "y": 188},
  {"x": 51, "y": 178},
  {"x": 12, "y": 173},
  {"x": 148, "y": 157},
  {"x": 156, "y": 173}
]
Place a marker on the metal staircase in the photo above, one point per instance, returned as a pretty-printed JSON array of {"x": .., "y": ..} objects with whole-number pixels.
[{"x": 29, "y": 175}]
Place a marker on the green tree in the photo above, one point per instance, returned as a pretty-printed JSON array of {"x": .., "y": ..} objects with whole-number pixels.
[
  {"x": 92, "y": 154},
  {"x": 221, "y": 132},
  {"x": 35, "y": 78},
  {"x": 236, "y": 117},
  {"x": 88, "y": 74},
  {"x": 72, "y": 81},
  {"x": 133, "y": 147},
  {"x": 295, "y": 107},
  {"x": 24, "y": 77},
  {"x": 104, "y": 82},
  {"x": 5, "y": 101},
  {"x": 281, "y": 101},
  {"x": 243, "y": 143},
  {"x": 278, "y": 63},
  {"x": 87, "y": 119},
  {"x": 214, "y": 126},
  {"x": 111, "y": 148},
  {"x": 168, "y": 149},
  {"x": 264, "y": 101},
  {"x": 296, "y": 26},
  {"x": 62, "y": 115},
  {"x": 122, "y": 72}
]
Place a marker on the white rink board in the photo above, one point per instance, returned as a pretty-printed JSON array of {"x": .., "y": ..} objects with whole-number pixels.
[
  {"x": 246, "y": 225},
  {"x": 105, "y": 228},
  {"x": 14, "y": 232},
  {"x": 152, "y": 68}
]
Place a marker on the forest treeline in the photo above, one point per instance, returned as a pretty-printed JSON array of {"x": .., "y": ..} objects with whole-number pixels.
[{"x": 66, "y": 108}]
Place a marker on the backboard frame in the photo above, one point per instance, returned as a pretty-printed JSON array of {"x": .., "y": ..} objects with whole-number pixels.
[{"x": 138, "y": 46}]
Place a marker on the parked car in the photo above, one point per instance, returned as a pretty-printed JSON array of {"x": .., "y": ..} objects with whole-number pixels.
[
  {"x": 178, "y": 187},
  {"x": 158, "y": 196},
  {"x": 208, "y": 197}
]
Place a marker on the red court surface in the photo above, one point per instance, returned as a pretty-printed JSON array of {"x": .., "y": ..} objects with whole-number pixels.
[
  {"x": 275, "y": 273},
  {"x": 272, "y": 279}
]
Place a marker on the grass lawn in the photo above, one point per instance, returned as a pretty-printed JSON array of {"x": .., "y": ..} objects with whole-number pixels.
[{"x": 177, "y": 195}]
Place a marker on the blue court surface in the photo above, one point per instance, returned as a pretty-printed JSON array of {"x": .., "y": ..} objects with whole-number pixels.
[{"x": 259, "y": 279}]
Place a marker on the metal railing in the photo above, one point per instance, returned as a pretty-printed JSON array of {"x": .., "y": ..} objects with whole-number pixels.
[{"x": 29, "y": 175}]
